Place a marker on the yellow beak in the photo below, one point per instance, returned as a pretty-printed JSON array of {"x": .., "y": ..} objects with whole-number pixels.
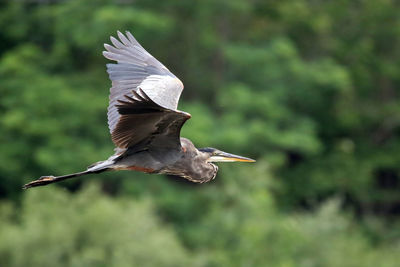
[{"x": 227, "y": 157}]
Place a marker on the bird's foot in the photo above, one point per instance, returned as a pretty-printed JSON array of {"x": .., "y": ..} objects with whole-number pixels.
[
  {"x": 46, "y": 178},
  {"x": 43, "y": 180}
]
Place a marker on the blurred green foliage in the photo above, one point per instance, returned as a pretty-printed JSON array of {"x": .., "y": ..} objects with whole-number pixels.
[
  {"x": 87, "y": 229},
  {"x": 308, "y": 88}
]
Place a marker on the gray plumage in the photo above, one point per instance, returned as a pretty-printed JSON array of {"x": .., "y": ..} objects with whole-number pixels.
[
  {"x": 144, "y": 121},
  {"x": 136, "y": 69}
]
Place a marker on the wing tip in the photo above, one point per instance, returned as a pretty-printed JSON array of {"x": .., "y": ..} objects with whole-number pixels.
[
  {"x": 124, "y": 39},
  {"x": 107, "y": 55},
  {"x": 112, "y": 38},
  {"x": 107, "y": 46},
  {"x": 120, "y": 35}
]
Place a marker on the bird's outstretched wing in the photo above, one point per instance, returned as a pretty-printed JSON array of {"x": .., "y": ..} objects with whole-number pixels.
[
  {"x": 136, "y": 69},
  {"x": 142, "y": 121}
]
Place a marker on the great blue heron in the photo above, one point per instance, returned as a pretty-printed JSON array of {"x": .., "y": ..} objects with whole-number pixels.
[{"x": 144, "y": 121}]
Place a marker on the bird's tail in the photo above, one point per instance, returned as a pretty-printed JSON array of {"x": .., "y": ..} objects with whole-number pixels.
[{"x": 45, "y": 180}]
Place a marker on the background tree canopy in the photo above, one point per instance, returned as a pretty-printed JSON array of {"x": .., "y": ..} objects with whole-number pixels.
[{"x": 308, "y": 88}]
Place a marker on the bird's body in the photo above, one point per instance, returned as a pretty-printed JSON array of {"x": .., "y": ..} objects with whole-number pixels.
[
  {"x": 144, "y": 121},
  {"x": 186, "y": 162}
]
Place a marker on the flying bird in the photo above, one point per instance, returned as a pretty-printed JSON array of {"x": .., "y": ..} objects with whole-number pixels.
[{"x": 145, "y": 123}]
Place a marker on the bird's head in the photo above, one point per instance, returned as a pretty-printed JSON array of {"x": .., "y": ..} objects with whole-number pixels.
[{"x": 215, "y": 155}]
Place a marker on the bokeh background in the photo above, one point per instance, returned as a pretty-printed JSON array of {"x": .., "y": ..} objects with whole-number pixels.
[{"x": 308, "y": 88}]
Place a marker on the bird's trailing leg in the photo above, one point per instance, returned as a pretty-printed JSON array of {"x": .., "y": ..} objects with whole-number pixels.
[{"x": 45, "y": 180}]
